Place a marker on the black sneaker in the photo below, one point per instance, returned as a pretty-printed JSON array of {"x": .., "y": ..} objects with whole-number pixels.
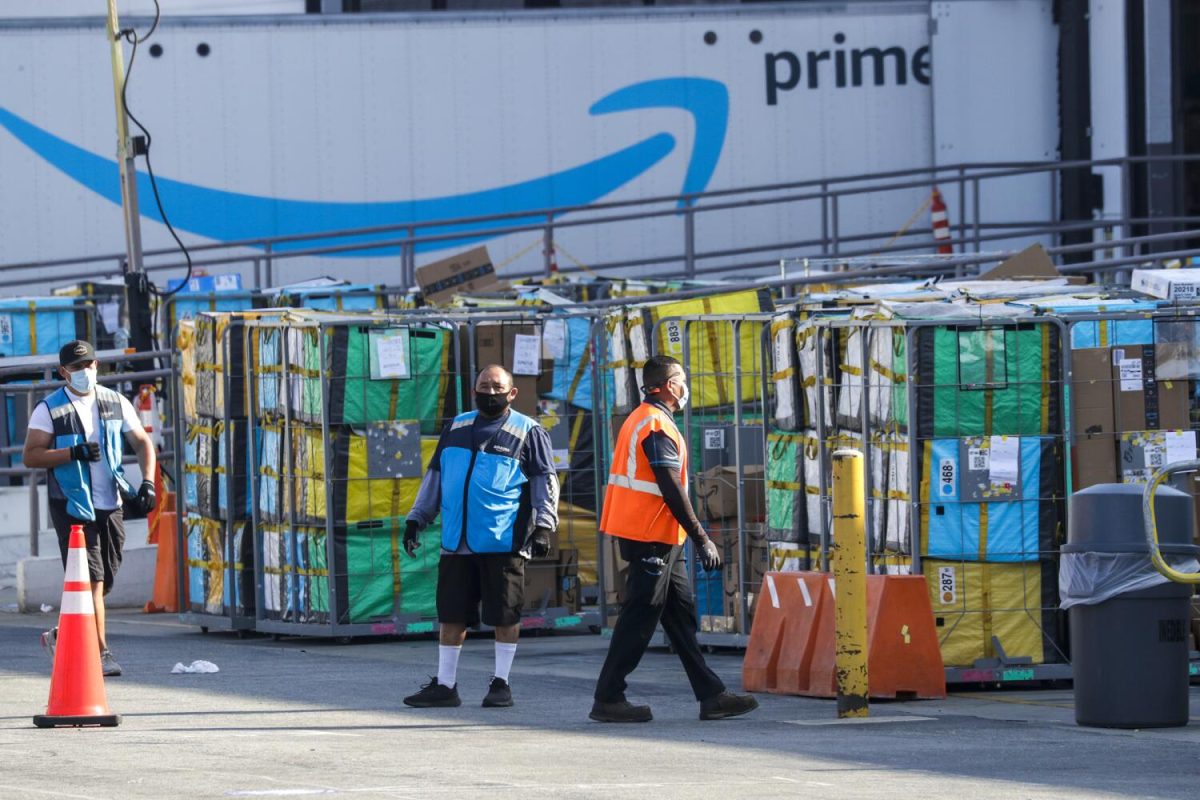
[
  {"x": 499, "y": 694},
  {"x": 726, "y": 705},
  {"x": 434, "y": 695},
  {"x": 620, "y": 711}
]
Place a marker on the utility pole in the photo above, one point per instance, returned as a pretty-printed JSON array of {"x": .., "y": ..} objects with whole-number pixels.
[{"x": 137, "y": 291}]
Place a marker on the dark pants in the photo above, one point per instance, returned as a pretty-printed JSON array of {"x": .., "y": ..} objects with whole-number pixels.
[
  {"x": 104, "y": 536},
  {"x": 658, "y": 589}
]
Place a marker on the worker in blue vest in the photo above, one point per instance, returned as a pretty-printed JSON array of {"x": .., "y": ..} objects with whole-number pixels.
[
  {"x": 77, "y": 435},
  {"x": 492, "y": 478}
]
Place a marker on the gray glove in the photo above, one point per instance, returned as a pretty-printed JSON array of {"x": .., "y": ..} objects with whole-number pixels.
[{"x": 710, "y": 556}]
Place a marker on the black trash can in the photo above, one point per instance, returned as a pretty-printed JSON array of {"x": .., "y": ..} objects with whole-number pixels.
[{"x": 1129, "y": 625}]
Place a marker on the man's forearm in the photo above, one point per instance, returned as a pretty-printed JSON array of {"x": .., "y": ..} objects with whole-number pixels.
[
  {"x": 675, "y": 496},
  {"x": 147, "y": 458},
  {"x": 45, "y": 458}
]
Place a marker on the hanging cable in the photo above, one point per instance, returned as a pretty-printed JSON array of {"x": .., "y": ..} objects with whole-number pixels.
[{"x": 130, "y": 35}]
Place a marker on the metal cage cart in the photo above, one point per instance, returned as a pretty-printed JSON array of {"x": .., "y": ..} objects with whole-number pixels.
[
  {"x": 215, "y": 527},
  {"x": 345, "y": 412}
]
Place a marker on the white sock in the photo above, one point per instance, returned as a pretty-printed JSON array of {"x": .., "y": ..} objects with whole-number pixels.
[
  {"x": 504, "y": 659},
  {"x": 448, "y": 664}
]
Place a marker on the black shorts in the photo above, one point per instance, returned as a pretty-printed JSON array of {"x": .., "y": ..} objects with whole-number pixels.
[
  {"x": 105, "y": 537},
  {"x": 497, "y": 580}
]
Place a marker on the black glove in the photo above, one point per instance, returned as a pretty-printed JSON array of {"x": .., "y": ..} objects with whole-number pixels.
[
  {"x": 710, "y": 556},
  {"x": 411, "y": 542},
  {"x": 88, "y": 451},
  {"x": 146, "y": 497},
  {"x": 539, "y": 543}
]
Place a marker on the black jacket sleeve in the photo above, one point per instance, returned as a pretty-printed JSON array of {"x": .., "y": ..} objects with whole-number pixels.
[{"x": 674, "y": 495}]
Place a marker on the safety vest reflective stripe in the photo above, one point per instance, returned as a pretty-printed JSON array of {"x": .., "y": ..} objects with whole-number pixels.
[
  {"x": 626, "y": 482},
  {"x": 633, "y": 503}
]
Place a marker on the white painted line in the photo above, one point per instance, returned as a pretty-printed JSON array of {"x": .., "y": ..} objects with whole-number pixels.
[
  {"x": 804, "y": 591},
  {"x": 280, "y": 792},
  {"x": 856, "y": 721},
  {"x": 832, "y": 587},
  {"x": 771, "y": 588}
]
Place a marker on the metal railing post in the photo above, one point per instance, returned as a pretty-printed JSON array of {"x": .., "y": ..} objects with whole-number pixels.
[
  {"x": 35, "y": 521},
  {"x": 270, "y": 271},
  {"x": 824, "y": 218},
  {"x": 1126, "y": 205},
  {"x": 975, "y": 213},
  {"x": 962, "y": 204},
  {"x": 833, "y": 199},
  {"x": 548, "y": 246},
  {"x": 689, "y": 242},
  {"x": 257, "y": 273}
]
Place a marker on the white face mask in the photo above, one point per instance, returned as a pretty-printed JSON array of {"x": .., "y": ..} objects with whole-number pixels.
[
  {"x": 84, "y": 380},
  {"x": 682, "y": 400}
]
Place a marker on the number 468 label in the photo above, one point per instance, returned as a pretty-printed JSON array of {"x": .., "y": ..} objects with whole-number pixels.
[{"x": 947, "y": 478}]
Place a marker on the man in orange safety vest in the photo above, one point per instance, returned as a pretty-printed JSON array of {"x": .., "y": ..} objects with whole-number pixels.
[{"x": 646, "y": 507}]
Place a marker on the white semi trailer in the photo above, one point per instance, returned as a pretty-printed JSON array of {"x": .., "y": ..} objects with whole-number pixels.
[{"x": 294, "y": 123}]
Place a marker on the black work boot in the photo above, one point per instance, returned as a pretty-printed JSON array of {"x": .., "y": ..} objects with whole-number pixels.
[
  {"x": 434, "y": 695},
  {"x": 727, "y": 704},
  {"x": 499, "y": 694},
  {"x": 620, "y": 711}
]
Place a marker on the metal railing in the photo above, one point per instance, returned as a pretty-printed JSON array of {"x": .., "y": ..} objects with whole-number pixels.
[
  {"x": 34, "y": 391},
  {"x": 965, "y": 184}
]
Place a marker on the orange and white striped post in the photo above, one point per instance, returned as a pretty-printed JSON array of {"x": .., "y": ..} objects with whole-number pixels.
[{"x": 940, "y": 220}]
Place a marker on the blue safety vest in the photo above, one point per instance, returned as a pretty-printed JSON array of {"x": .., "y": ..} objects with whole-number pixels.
[
  {"x": 485, "y": 495},
  {"x": 73, "y": 481}
]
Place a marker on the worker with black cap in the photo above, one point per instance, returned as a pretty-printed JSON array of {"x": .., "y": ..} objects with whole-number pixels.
[{"x": 75, "y": 434}]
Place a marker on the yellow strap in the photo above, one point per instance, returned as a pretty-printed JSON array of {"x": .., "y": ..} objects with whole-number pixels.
[
  {"x": 395, "y": 561},
  {"x": 894, "y": 377},
  {"x": 33, "y": 343},
  {"x": 985, "y": 603},
  {"x": 790, "y": 486},
  {"x": 983, "y": 531},
  {"x": 584, "y": 361},
  {"x": 852, "y": 370},
  {"x": 781, "y": 325},
  {"x": 783, "y": 374}
]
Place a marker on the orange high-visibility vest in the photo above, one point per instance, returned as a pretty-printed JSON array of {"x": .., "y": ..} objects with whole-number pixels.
[{"x": 633, "y": 505}]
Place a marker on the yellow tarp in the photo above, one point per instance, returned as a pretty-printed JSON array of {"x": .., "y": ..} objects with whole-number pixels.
[{"x": 972, "y": 602}]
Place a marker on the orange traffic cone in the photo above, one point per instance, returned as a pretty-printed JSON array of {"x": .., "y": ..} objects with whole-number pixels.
[{"x": 77, "y": 683}]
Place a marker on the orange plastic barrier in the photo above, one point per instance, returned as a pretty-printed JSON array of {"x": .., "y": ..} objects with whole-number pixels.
[
  {"x": 792, "y": 644},
  {"x": 166, "y": 567},
  {"x": 77, "y": 682}
]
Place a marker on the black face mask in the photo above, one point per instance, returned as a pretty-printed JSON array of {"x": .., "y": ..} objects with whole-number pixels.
[{"x": 493, "y": 405}]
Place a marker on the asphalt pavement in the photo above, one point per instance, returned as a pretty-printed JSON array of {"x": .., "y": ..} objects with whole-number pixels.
[{"x": 300, "y": 718}]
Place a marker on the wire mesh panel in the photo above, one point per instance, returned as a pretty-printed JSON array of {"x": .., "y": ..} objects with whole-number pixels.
[
  {"x": 216, "y": 456},
  {"x": 347, "y": 409},
  {"x": 723, "y": 424}
]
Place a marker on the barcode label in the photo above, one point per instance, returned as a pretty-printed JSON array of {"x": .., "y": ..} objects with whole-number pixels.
[{"x": 977, "y": 460}]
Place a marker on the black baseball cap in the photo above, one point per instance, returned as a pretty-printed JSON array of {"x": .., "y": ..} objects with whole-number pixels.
[{"x": 76, "y": 352}]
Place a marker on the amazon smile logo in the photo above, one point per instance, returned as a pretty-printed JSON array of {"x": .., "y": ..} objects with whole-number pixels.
[{"x": 226, "y": 216}]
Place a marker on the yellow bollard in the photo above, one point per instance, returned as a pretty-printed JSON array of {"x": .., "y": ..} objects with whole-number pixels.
[{"x": 850, "y": 582}]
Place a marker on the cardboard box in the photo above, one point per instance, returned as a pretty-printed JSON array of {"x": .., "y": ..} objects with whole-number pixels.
[
  {"x": 569, "y": 594},
  {"x": 1141, "y": 401},
  {"x": 1094, "y": 453},
  {"x": 1167, "y": 284},
  {"x": 495, "y": 343},
  {"x": 541, "y": 583},
  {"x": 471, "y": 271},
  {"x": 717, "y": 491}
]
